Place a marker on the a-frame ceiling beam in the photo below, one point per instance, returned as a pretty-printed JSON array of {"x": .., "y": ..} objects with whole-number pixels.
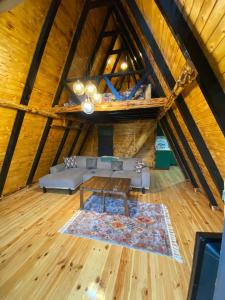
[
  {"x": 192, "y": 158},
  {"x": 111, "y": 33},
  {"x": 110, "y": 48},
  {"x": 181, "y": 104},
  {"x": 32, "y": 74},
  {"x": 100, "y": 3},
  {"x": 109, "y": 75},
  {"x": 137, "y": 60},
  {"x": 126, "y": 22},
  {"x": 61, "y": 145},
  {"x": 207, "y": 80},
  {"x": 89, "y": 129},
  {"x": 99, "y": 41},
  {"x": 75, "y": 140},
  {"x": 128, "y": 41},
  {"x": 56, "y": 99},
  {"x": 113, "y": 69},
  {"x": 177, "y": 152},
  {"x": 117, "y": 51}
]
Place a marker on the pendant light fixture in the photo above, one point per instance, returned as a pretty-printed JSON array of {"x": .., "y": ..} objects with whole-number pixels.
[
  {"x": 124, "y": 66},
  {"x": 87, "y": 106},
  {"x": 97, "y": 98},
  {"x": 78, "y": 88},
  {"x": 90, "y": 89}
]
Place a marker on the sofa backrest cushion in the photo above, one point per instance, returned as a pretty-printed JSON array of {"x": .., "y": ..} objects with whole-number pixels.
[
  {"x": 81, "y": 161},
  {"x": 129, "y": 164},
  {"x": 91, "y": 163},
  {"x": 101, "y": 164},
  {"x": 117, "y": 165}
]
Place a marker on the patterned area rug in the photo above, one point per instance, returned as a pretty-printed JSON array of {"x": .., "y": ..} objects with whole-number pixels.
[{"x": 148, "y": 227}]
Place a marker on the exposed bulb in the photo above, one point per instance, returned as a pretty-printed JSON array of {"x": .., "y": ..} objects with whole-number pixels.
[
  {"x": 87, "y": 106},
  {"x": 124, "y": 66},
  {"x": 78, "y": 88},
  {"x": 90, "y": 89},
  {"x": 97, "y": 98}
]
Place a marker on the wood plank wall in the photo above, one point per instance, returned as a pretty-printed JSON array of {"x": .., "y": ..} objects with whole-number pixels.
[
  {"x": 204, "y": 18},
  {"x": 131, "y": 139},
  {"x": 207, "y": 20},
  {"x": 19, "y": 32}
]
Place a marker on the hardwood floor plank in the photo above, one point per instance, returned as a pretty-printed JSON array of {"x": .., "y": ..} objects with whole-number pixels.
[{"x": 38, "y": 262}]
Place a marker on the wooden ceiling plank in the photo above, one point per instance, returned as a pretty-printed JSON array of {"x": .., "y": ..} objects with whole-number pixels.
[
  {"x": 56, "y": 99},
  {"x": 32, "y": 74},
  {"x": 207, "y": 80},
  {"x": 99, "y": 41}
]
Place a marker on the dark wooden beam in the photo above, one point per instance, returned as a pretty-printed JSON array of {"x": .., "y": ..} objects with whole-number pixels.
[
  {"x": 121, "y": 83},
  {"x": 99, "y": 41},
  {"x": 192, "y": 159},
  {"x": 100, "y": 3},
  {"x": 207, "y": 80},
  {"x": 111, "y": 32},
  {"x": 32, "y": 74},
  {"x": 156, "y": 52},
  {"x": 104, "y": 62},
  {"x": 113, "y": 69},
  {"x": 85, "y": 139},
  {"x": 125, "y": 21},
  {"x": 177, "y": 151},
  {"x": 117, "y": 51},
  {"x": 75, "y": 140},
  {"x": 61, "y": 145},
  {"x": 109, "y": 75},
  {"x": 56, "y": 99},
  {"x": 200, "y": 144},
  {"x": 188, "y": 119},
  {"x": 135, "y": 55}
]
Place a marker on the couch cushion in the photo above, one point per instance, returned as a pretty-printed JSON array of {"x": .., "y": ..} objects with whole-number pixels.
[
  {"x": 97, "y": 172},
  {"x": 117, "y": 165},
  {"x": 81, "y": 161},
  {"x": 135, "y": 177},
  {"x": 129, "y": 164},
  {"x": 103, "y": 164},
  {"x": 91, "y": 163},
  {"x": 68, "y": 179}
]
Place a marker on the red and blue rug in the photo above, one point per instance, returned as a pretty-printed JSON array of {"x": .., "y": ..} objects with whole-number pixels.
[{"x": 148, "y": 228}]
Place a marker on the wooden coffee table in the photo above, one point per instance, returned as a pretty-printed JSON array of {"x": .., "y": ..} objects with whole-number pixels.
[{"x": 107, "y": 185}]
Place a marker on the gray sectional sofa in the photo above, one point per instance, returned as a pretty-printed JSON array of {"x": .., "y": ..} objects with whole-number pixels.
[{"x": 61, "y": 177}]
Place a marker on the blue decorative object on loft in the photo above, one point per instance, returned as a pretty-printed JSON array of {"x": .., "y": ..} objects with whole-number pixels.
[{"x": 120, "y": 97}]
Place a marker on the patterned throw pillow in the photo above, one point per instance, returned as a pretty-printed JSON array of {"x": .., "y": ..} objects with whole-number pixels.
[
  {"x": 139, "y": 166},
  {"x": 116, "y": 165},
  {"x": 70, "y": 162}
]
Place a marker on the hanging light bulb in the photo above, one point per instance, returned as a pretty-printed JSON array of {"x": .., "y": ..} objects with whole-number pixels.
[
  {"x": 90, "y": 89},
  {"x": 87, "y": 106},
  {"x": 124, "y": 66},
  {"x": 97, "y": 98},
  {"x": 78, "y": 88}
]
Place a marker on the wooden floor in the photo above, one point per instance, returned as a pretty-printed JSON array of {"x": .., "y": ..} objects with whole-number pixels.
[{"x": 37, "y": 262}]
